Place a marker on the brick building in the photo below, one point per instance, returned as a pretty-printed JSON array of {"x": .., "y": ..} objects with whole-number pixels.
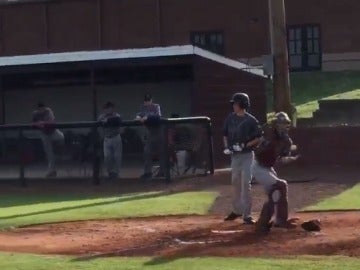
[
  {"x": 62, "y": 49},
  {"x": 322, "y": 34}
]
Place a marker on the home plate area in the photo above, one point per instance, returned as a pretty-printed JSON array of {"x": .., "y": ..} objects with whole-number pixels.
[{"x": 186, "y": 236}]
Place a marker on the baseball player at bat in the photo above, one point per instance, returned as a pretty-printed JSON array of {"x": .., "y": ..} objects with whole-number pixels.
[
  {"x": 242, "y": 134},
  {"x": 276, "y": 147}
]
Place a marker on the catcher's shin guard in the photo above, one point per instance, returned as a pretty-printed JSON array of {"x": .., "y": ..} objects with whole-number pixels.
[
  {"x": 282, "y": 208},
  {"x": 267, "y": 211},
  {"x": 277, "y": 196}
]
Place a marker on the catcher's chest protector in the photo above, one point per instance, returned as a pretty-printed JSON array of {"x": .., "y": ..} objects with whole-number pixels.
[{"x": 271, "y": 148}]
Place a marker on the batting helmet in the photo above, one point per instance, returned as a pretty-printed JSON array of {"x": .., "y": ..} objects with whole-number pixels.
[
  {"x": 108, "y": 105},
  {"x": 241, "y": 99},
  {"x": 147, "y": 97}
]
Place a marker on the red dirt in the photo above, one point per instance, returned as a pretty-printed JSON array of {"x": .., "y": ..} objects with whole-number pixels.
[
  {"x": 186, "y": 236},
  {"x": 178, "y": 236}
]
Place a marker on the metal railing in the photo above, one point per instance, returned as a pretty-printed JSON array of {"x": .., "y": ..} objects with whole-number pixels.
[{"x": 173, "y": 126}]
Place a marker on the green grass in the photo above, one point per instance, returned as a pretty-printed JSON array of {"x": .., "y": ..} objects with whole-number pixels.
[
  {"x": 355, "y": 94},
  {"x": 30, "y": 262},
  {"x": 23, "y": 209},
  {"x": 349, "y": 199},
  {"x": 309, "y": 87},
  {"x": 305, "y": 110}
]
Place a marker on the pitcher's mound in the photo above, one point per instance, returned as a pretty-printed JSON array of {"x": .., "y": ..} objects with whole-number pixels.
[{"x": 186, "y": 236}]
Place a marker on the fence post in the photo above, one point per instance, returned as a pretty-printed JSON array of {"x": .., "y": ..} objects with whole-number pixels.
[
  {"x": 210, "y": 146},
  {"x": 21, "y": 159},
  {"x": 96, "y": 157},
  {"x": 165, "y": 124}
]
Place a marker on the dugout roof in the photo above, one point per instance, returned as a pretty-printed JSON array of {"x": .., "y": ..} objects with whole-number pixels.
[{"x": 93, "y": 56}]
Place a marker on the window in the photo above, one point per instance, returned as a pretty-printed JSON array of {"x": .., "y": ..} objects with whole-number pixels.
[
  {"x": 211, "y": 41},
  {"x": 295, "y": 47},
  {"x": 304, "y": 47}
]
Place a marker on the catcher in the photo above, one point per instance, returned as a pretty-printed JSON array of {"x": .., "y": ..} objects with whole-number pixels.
[{"x": 276, "y": 147}]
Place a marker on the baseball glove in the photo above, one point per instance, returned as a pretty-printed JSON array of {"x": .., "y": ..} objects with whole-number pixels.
[{"x": 311, "y": 225}]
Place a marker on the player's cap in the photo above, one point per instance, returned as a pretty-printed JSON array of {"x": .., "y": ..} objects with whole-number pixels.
[
  {"x": 108, "y": 105},
  {"x": 147, "y": 97},
  {"x": 41, "y": 104}
]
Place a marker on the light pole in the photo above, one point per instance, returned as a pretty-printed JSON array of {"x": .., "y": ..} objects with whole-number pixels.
[{"x": 279, "y": 51}]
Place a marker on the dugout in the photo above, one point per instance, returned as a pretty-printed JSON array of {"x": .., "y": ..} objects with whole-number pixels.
[{"x": 185, "y": 80}]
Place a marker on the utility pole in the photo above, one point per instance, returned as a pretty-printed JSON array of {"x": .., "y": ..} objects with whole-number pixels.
[{"x": 279, "y": 50}]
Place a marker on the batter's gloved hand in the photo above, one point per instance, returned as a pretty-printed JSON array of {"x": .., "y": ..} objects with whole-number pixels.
[
  {"x": 238, "y": 147},
  {"x": 311, "y": 225},
  {"x": 227, "y": 151},
  {"x": 293, "y": 148}
]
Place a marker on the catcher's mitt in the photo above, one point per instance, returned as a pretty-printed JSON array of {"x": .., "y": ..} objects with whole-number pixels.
[{"x": 311, "y": 225}]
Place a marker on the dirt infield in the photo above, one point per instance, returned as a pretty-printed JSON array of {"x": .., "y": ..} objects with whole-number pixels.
[
  {"x": 187, "y": 236},
  {"x": 180, "y": 236}
]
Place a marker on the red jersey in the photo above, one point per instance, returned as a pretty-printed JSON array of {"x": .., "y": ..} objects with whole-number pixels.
[{"x": 272, "y": 148}]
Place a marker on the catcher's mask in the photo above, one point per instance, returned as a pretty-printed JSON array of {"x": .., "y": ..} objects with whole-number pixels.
[{"x": 282, "y": 123}]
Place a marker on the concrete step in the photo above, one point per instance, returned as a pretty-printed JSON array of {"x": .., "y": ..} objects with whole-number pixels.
[
  {"x": 340, "y": 105},
  {"x": 304, "y": 122}
]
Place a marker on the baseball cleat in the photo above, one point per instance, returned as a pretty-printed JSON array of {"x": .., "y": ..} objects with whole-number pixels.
[
  {"x": 249, "y": 221},
  {"x": 263, "y": 228},
  {"x": 232, "y": 216}
]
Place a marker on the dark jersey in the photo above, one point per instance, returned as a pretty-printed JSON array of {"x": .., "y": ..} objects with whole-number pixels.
[
  {"x": 149, "y": 110},
  {"x": 272, "y": 148},
  {"x": 241, "y": 129},
  {"x": 153, "y": 114},
  {"x": 46, "y": 115},
  {"x": 114, "y": 130}
]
